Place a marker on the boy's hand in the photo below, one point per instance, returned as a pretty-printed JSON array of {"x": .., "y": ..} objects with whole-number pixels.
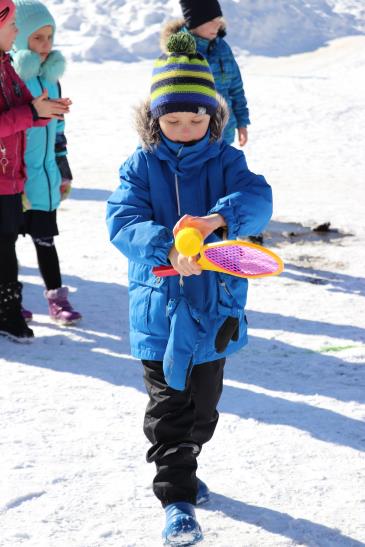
[
  {"x": 51, "y": 108},
  {"x": 206, "y": 225},
  {"x": 25, "y": 202},
  {"x": 242, "y": 136},
  {"x": 183, "y": 264},
  {"x": 65, "y": 188}
]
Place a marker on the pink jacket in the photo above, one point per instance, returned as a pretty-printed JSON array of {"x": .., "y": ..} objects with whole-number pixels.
[{"x": 15, "y": 117}]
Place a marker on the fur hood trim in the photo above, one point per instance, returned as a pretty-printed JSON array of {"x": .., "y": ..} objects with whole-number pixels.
[
  {"x": 148, "y": 128},
  {"x": 176, "y": 25},
  {"x": 28, "y": 65},
  {"x": 172, "y": 27}
]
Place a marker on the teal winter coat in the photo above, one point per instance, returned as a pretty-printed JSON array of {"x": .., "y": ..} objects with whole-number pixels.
[
  {"x": 45, "y": 155},
  {"x": 160, "y": 183}
]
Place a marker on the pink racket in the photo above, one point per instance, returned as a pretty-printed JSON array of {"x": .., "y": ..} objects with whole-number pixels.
[{"x": 234, "y": 257}]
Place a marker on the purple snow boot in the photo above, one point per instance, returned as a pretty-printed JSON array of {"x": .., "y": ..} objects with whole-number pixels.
[
  {"x": 60, "y": 309},
  {"x": 27, "y": 315}
]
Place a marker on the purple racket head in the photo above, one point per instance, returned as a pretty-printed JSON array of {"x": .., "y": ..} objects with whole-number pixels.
[{"x": 242, "y": 260}]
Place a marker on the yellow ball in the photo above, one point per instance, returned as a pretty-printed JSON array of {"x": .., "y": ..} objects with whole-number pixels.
[{"x": 188, "y": 241}]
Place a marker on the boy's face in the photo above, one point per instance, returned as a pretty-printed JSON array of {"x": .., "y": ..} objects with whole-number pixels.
[
  {"x": 208, "y": 30},
  {"x": 8, "y": 33},
  {"x": 41, "y": 41},
  {"x": 184, "y": 126}
]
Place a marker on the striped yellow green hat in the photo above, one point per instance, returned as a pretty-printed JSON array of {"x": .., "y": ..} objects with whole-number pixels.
[{"x": 182, "y": 80}]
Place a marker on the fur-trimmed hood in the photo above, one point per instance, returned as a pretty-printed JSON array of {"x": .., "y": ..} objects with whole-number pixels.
[
  {"x": 148, "y": 128},
  {"x": 28, "y": 65},
  {"x": 176, "y": 25}
]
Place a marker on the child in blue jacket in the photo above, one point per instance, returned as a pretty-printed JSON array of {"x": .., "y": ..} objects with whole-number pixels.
[
  {"x": 183, "y": 174},
  {"x": 48, "y": 173},
  {"x": 204, "y": 21}
]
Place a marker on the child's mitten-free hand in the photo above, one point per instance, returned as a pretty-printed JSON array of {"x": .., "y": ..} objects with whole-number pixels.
[
  {"x": 242, "y": 136},
  {"x": 185, "y": 265},
  {"x": 51, "y": 108},
  {"x": 227, "y": 332},
  {"x": 65, "y": 188},
  {"x": 25, "y": 202},
  {"x": 206, "y": 225}
]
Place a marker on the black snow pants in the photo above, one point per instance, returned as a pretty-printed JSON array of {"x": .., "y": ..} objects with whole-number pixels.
[{"x": 178, "y": 423}]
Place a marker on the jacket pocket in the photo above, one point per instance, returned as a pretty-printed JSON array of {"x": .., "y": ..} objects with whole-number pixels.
[
  {"x": 147, "y": 306},
  {"x": 232, "y": 294},
  {"x": 139, "y": 305},
  {"x": 185, "y": 332}
]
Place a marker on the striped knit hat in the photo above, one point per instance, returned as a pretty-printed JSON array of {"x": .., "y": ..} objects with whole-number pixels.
[{"x": 182, "y": 80}]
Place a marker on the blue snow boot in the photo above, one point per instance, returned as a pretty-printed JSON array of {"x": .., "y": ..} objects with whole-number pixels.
[
  {"x": 203, "y": 494},
  {"x": 181, "y": 528}
]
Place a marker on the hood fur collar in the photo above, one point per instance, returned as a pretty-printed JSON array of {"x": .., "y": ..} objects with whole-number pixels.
[
  {"x": 148, "y": 128},
  {"x": 28, "y": 65},
  {"x": 176, "y": 25}
]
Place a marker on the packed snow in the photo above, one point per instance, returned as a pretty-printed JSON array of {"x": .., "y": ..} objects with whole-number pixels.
[
  {"x": 286, "y": 466},
  {"x": 129, "y": 31}
]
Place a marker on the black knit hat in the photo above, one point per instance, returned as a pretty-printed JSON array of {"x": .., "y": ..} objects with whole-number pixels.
[{"x": 198, "y": 12}]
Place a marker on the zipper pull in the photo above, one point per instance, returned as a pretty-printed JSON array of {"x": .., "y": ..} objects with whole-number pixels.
[{"x": 3, "y": 160}]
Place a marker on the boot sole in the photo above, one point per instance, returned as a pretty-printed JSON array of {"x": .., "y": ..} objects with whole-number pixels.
[
  {"x": 203, "y": 499},
  {"x": 183, "y": 540},
  {"x": 183, "y": 536},
  {"x": 66, "y": 323},
  {"x": 13, "y": 338}
]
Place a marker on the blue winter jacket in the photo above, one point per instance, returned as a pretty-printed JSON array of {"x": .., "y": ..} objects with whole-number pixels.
[
  {"x": 226, "y": 72},
  {"x": 157, "y": 187},
  {"x": 45, "y": 146},
  {"x": 228, "y": 82}
]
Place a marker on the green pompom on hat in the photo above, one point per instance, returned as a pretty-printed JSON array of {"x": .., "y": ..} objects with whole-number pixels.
[
  {"x": 182, "y": 80},
  {"x": 181, "y": 42}
]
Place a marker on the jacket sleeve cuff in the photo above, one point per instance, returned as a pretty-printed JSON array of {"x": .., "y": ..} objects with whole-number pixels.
[
  {"x": 226, "y": 211},
  {"x": 243, "y": 121},
  {"x": 34, "y": 112}
]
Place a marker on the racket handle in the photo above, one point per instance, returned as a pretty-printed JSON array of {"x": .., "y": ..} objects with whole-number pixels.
[{"x": 164, "y": 271}]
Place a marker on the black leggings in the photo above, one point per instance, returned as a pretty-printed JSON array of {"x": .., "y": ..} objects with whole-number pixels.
[
  {"x": 178, "y": 423},
  {"x": 8, "y": 260},
  {"x": 48, "y": 262}
]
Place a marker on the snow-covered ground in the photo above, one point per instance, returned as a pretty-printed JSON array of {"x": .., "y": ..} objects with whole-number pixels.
[
  {"x": 127, "y": 31},
  {"x": 286, "y": 465}
]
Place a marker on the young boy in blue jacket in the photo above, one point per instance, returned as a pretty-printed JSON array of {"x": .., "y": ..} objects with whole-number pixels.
[
  {"x": 204, "y": 21},
  {"x": 48, "y": 172},
  {"x": 183, "y": 174}
]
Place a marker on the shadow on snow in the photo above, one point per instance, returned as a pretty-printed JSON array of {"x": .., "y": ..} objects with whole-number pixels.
[
  {"x": 301, "y": 531},
  {"x": 100, "y": 348}
]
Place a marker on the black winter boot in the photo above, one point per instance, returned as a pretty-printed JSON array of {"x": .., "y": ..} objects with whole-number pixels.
[{"x": 12, "y": 323}]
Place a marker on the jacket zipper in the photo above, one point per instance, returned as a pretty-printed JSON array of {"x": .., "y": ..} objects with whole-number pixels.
[
  {"x": 3, "y": 147},
  {"x": 177, "y": 186},
  {"x": 16, "y": 155},
  {"x": 181, "y": 280},
  {"x": 45, "y": 155},
  {"x": 177, "y": 195},
  {"x": 223, "y": 284}
]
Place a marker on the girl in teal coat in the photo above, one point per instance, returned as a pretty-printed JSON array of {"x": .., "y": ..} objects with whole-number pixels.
[
  {"x": 184, "y": 174},
  {"x": 48, "y": 173}
]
